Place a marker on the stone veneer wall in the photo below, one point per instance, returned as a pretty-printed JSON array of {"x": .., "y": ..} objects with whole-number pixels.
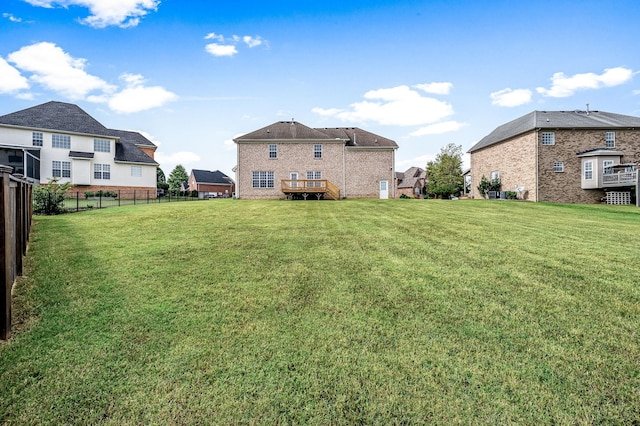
[
  {"x": 514, "y": 158},
  {"x": 565, "y": 187}
]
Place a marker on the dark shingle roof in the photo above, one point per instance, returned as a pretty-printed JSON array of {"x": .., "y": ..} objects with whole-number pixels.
[
  {"x": 358, "y": 137},
  {"x": 411, "y": 176},
  {"x": 557, "y": 120},
  {"x": 64, "y": 117},
  {"x": 56, "y": 116},
  {"x": 126, "y": 149},
  {"x": 206, "y": 176},
  {"x": 292, "y": 130}
]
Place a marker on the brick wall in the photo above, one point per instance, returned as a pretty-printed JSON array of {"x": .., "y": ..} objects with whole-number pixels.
[
  {"x": 514, "y": 159},
  {"x": 363, "y": 168}
]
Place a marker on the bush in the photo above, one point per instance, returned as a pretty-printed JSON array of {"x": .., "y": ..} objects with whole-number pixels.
[
  {"x": 194, "y": 193},
  {"x": 511, "y": 195},
  {"x": 49, "y": 199},
  {"x": 487, "y": 185},
  {"x": 404, "y": 196}
]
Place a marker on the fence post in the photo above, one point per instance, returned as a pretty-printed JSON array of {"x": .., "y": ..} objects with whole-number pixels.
[{"x": 6, "y": 278}]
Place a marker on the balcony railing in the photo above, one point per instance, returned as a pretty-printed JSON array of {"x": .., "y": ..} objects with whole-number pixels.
[
  {"x": 619, "y": 179},
  {"x": 310, "y": 186}
]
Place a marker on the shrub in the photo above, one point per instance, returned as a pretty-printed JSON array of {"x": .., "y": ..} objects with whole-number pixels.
[
  {"x": 511, "y": 195},
  {"x": 404, "y": 196},
  {"x": 194, "y": 193},
  {"x": 49, "y": 199}
]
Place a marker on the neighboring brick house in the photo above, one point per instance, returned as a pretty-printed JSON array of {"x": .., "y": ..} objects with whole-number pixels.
[
  {"x": 208, "y": 183},
  {"x": 288, "y": 157},
  {"x": 60, "y": 140},
  {"x": 411, "y": 182},
  {"x": 559, "y": 156}
]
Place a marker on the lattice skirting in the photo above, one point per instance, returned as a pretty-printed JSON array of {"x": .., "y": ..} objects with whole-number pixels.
[{"x": 618, "y": 197}]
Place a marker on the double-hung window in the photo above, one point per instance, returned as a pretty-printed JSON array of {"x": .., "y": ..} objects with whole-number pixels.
[
  {"x": 101, "y": 145},
  {"x": 262, "y": 179},
  {"x": 548, "y": 138},
  {"x": 61, "y": 141},
  {"x": 273, "y": 150},
  {"x": 495, "y": 174},
  {"x": 558, "y": 166},
  {"x": 588, "y": 170},
  {"x": 605, "y": 166},
  {"x": 317, "y": 150},
  {"x": 102, "y": 171},
  {"x": 37, "y": 139},
  {"x": 610, "y": 139},
  {"x": 314, "y": 176},
  {"x": 61, "y": 169}
]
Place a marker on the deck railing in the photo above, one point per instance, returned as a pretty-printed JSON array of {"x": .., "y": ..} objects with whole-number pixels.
[
  {"x": 619, "y": 179},
  {"x": 315, "y": 186}
]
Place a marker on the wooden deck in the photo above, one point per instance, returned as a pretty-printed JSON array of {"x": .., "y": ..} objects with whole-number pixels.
[{"x": 320, "y": 188}]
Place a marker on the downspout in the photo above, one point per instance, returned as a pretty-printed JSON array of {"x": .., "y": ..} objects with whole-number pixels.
[
  {"x": 393, "y": 173},
  {"x": 237, "y": 171},
  {"x": 344, "y": 169},
  {"x": 537, "y": 169}
]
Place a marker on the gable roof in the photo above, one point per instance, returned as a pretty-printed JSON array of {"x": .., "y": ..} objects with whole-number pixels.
[
  {"x": 206, "y": 176},
  {"x": 556, "y": 120},
  {"x": 54, "y": 115},
  {"x": 292, "y": 130},
  {"x": 127, "y": 150},
  {"x": 65, "y": 117},
  {"x": 410, "y": 177}
]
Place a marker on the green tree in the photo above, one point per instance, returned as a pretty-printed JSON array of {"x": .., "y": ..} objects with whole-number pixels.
[
  {"x": 444, "y": 174},
  {"x": 176, "y": 177},
  {"x": 160, "y": 177}
]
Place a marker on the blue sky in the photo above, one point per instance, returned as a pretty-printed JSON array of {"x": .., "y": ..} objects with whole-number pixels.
[{"x": 192, "y": 75}]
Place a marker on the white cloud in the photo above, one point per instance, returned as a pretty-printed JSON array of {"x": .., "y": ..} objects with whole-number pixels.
[
  {"x": 419, "y": 161},
  {"x": 226, "y": 46},
  {"x": 168, "y": 162},
  {"x": 10, "y": 78},
  {"x": 221, "y": 49},
  {"x": 137, "y": 97},
  {"x": 104, "y": 13},
  {"x": 397, "y": 106},
  {"x": 12, "y": 18},
  {"x": 252, "y": 41},
  {"x": 438, "y": 128},
  {"x": 563, "y": 86},
  {"x": 442, "y": 88},
  {"x": 55, "y": 69},
  {"x": 511, "y": 98}
]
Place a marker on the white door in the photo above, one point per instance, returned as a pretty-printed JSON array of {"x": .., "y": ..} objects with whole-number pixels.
[
  {"x": 384, "y": 189},
  {"x": 293, "y": 176}
]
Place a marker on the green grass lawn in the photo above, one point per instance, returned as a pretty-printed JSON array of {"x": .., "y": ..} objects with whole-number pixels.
[{"x": 355, "y": 311}]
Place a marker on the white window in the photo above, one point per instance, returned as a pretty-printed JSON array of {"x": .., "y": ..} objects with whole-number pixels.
[
  {"x": 588, "y": 170},
  {"x": 262, "y": 180},
  {"x": 102, "y": 171},
  {"x": 102, "y": 145},
  {"x": 273, "y": 151},
  {"x": 605, "y": 165},
  {"x": 317, "y": 150},
  {"x": 61, "y": 141},
  {"x": 136, "y": 171},
  {"x": 314, "y": 175},
  {"x": 37, "y": 138},
  {"x": 61, "y": 169},
  {"x": 610, "y": 139},
  {"x": 558, "y": 166},
  {"x": 548, "y": 138},
  {"x": 495, "y": 174}
]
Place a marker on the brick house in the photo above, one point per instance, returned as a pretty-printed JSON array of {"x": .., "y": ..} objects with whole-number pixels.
[
  {"x": 411, "y": 182},
  {"x": 208, "y": 183},
  {"x": 289, "y": 159},
  {"x": 60, "y": 140},
  {"x": 560, "y": 156}
]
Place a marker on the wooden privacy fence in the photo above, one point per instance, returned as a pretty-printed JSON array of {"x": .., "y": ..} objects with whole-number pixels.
[{"x": 15, "y": 216}]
